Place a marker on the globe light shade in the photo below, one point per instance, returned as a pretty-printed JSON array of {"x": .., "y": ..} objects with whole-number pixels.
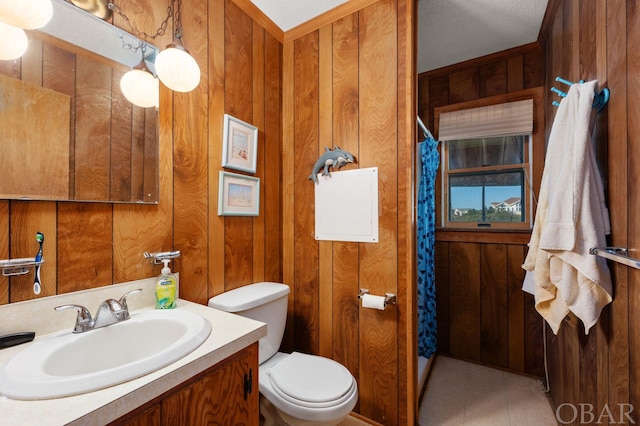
[
  {"x": 177, "y": 69},
  {"x": 27, "y": 14},
  {"x": 13, "y": 42},
  {"x": 140, "y": 88}
]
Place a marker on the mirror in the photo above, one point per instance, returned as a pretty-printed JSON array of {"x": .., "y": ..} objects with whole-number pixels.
[{"x": 66, "y": 130}]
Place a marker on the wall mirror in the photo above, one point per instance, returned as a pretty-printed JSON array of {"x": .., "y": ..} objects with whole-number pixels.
[{"x": 66, "y": 130}]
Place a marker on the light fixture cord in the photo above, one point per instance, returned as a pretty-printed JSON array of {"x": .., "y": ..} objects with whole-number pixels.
[
  {"x": 178, "y": 25},
  {"x": 142, "y": 34}
]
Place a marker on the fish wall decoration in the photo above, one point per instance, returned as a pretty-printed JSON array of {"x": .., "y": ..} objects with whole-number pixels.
[{"x": 335, "y": 158}]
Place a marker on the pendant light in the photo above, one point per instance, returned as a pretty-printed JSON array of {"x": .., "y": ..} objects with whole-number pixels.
[
  {"x": 176, "y": 68},
  {"x": 15, "y": 17},
  {"x": 140, "y": 87},
  {"x": 14, "y": 42},
  {"x": 27, "y": 14}
]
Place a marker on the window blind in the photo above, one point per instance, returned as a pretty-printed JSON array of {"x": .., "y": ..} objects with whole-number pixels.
[{"x": 494, "y": 120}]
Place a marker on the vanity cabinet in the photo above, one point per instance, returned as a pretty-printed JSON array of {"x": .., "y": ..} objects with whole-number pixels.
[{"x": 225, "y": 394}]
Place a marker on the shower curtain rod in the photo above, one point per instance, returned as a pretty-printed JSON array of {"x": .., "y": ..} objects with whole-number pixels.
[{"x": 424, "y": 128}]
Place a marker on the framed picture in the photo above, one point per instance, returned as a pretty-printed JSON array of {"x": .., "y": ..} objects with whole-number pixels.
[
  {"x": 238, "y": 195},
  {"x": 239, "y": 145}
]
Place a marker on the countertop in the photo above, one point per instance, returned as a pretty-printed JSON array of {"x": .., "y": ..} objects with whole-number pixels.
[{"x": 230, "y": 333}]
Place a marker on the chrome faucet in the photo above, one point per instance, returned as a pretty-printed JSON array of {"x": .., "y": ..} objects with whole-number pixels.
[{"x": 109, "y": 312}]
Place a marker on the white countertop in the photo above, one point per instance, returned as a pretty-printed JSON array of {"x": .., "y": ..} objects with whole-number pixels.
[{"x": 230, "y": 334}]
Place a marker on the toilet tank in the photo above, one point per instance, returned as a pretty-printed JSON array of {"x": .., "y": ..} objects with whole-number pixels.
[{"x": 265, "y": 302}]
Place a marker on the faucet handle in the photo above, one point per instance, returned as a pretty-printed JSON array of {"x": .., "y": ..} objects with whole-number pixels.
[
  {"x": 83, "y": 319},
  {"x": 123, "y": 299}
]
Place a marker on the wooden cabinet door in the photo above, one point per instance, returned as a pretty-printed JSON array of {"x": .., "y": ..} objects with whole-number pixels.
[
  {"x": 226, "y": 395},
  {"x": 149, "y": 417}
]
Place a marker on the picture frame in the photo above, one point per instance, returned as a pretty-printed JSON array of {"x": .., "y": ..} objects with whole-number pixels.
[
  {"x": 239, "y": 145},
  {"x": 238, "y": 195}
]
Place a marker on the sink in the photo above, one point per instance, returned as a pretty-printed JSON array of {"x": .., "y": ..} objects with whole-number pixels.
[{"x": 66, "y": 364}]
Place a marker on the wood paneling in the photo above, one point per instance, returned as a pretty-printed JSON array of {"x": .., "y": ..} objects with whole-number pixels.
[
  {"x": 588, "y": 40},
  {"x": 305, "y": 279},
  {"x": 111, "y": 146},
  {"x": 349, "y": 84},
  {"x": 89, "y": 245},
  {"x": 272, "y": 160},
  {"x": 239, "y": 88},
  {"x": 219, "y": 397},
  {"x": 493, "y": 305},
  {"x": 84, "y": 246},
  {"x": 25, "y": 219},
  {"x": 378, "y": 103},
  {"x": 464, "y": 300},
  {"x": 347, "y": 87},
  {"x": 190, "y": 162},
  {"x": 515, "y": 305},
  {"x": 39, "y": 168},
  {"x": 483, "y": 315},
  {"x": 482, "y": 310},
  {"x": 91, "y": 171}
]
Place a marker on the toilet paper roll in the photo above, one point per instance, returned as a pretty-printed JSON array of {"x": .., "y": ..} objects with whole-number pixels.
[{"x": 374, "y": 302}]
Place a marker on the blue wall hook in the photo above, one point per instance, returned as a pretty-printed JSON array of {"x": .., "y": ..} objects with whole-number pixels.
[
  {"x": 559, "y": 92},
  {"x": 600, "y": 100}
]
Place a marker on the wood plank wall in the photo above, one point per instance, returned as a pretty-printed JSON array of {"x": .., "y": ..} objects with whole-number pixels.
[
  {"x": 350, "y": 85},
  {"x": 599, "y": 40},
  {"x": 95, "y": 244},
  {"x": 110, "y": 139},
  {"x": 482, "y": 313}
]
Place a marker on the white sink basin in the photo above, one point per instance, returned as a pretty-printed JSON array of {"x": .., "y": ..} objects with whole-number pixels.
[{"x": 68, "y": 364}]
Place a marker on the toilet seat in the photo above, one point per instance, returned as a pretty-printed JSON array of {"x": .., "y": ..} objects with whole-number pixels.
[{"x": 312, "y": 381}]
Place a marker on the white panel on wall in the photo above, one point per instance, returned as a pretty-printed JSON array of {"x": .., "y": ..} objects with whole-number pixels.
[{"x": 347, "y": 206}]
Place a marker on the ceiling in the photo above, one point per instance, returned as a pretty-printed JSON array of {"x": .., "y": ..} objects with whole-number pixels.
[{"x": 449, "y": 31}]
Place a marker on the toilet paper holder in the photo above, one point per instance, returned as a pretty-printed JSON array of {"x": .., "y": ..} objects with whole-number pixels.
[{"x": 389, "y": 298}]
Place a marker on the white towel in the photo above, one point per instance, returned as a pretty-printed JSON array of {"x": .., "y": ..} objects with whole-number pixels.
[
  {"x": 571, "y": 218},
  {"x": 529, "y": 283}
]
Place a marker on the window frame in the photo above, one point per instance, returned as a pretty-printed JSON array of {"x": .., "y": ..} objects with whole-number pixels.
[
  {"x": 525, "y": 166},
  {"x": 536, "y": 158}
]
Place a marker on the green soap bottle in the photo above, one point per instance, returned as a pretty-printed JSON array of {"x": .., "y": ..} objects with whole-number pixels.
[{"x": 166, "y": 288}]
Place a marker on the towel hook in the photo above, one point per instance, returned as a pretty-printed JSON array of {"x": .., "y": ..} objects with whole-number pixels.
[{"x": 599, "y": 100}]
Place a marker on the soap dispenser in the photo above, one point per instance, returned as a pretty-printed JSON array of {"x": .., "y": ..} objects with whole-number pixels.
[{"x": 166, "y": 288}]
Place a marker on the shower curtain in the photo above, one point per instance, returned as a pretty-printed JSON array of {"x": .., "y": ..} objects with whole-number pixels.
[{"x": 430, "y": 159}]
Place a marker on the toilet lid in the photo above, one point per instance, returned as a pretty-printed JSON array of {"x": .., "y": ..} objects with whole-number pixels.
[{"x": 311, "y": 378}]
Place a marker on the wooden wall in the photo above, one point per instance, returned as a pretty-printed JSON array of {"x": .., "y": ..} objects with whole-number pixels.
[
  {"x": 599, "y": 40},
  {"x": 110, "y": 140},
  {"x": 93, "y": 244},
  {"x": 482, "y": 313},
  {"x": 350, "y": 84}
]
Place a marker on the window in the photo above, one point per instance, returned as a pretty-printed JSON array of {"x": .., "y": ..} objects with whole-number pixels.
[
  {"x": 486, "y": 166},
  {"x": 485, "y": 182}
]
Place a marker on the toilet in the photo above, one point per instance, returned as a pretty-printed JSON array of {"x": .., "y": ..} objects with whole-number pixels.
[{"x": 304, "y": 389}]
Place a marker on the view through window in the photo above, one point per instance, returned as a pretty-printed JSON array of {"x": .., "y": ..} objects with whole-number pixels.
[{"x": 485, "y": 181}]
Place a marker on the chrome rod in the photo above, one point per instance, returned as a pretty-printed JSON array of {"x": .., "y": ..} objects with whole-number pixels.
[{"x": 617, "y": 254}]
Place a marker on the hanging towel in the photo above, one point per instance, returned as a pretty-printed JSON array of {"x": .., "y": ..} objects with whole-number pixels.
[{"x": 571, "y": 218}]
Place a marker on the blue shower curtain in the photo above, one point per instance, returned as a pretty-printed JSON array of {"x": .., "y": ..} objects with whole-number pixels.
[{"x": 425, "y": 248}]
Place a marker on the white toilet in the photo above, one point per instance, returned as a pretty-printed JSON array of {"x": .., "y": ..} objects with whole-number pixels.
[{"x": 305, "y": 389}]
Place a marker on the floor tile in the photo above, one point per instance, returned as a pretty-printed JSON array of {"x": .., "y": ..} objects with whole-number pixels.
[{"x": 464, "y": 393}]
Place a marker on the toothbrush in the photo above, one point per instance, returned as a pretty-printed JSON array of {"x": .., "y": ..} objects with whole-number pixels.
[{"x": 36, "y": 282}]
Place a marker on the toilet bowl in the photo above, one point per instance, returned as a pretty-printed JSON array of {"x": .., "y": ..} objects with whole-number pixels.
[
  {"x": 301, "y": 389},
  {"x": 308, "y": 389}
]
